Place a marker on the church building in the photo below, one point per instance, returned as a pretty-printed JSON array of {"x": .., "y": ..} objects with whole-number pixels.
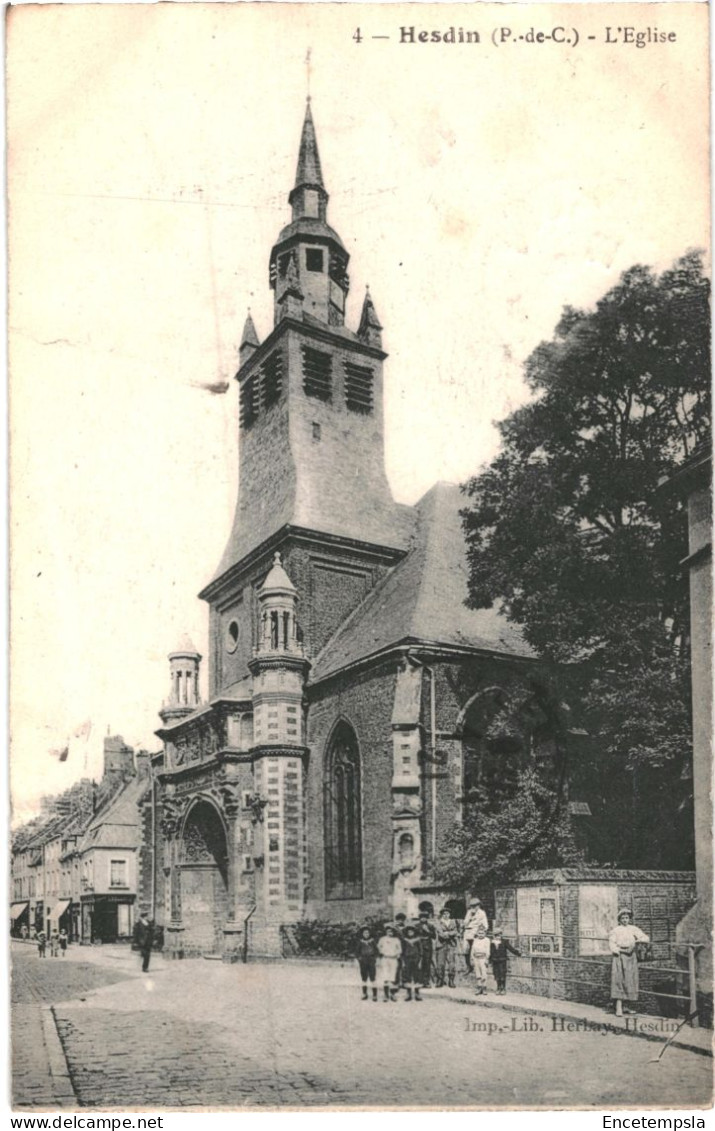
[{"x": 356, "y": 707}]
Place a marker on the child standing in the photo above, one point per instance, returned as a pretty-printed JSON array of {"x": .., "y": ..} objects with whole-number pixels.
[
  {"x": 479, "y": 956},
  {"x": 41, "y": 938},
  {"x": 389, "y": 951},
  {"x": 63, "y": 942},
  {"x": 445, "y": 948},
  {"x": 366, "y": 954},
  {"x": 412, "y": 959},
  {"x": 498, "y": 952}
]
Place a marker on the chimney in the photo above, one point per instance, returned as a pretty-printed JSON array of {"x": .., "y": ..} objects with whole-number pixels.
[{"x": 142, "y": 762}]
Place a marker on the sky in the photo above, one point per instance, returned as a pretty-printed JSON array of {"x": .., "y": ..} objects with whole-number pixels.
[{"x": 478, "y": 188}]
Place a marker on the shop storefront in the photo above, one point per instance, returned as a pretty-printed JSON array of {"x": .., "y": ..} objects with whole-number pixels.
[
  {"x": 107, "y": 918},
  {"x": 19, "y": 918}
]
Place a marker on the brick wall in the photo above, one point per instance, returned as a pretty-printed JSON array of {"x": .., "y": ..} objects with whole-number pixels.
[
  {"x": 657, "y": 905},
  {"x": 366, "y": 702},
  {"x": 331, "y": 581}
]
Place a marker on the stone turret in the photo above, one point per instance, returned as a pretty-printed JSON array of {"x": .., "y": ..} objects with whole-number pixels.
[
  {"x": 184, "y": 664},
  {"x": 279, "y": 670}
]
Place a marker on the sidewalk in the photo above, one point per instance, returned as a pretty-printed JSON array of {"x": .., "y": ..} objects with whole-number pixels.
[
  {"x": 572, "y": 1016},
  {"x": 39, "y": 1068},
  {"x": 564, "y": 1016}
]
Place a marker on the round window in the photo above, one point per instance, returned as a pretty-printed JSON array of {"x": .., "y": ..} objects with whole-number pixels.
[{"x": 232, "y": 635}]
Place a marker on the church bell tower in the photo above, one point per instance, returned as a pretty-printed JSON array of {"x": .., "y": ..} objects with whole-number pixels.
[
  {"x": 311, "y": 443},
  {"x": 309, "y": 265}
]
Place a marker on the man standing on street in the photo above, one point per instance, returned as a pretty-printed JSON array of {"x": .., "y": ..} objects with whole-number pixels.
[
  {"x": 426, "y": 933},
  {"x": 475, "y": 918},
  {"x": 143, "y": 938}
]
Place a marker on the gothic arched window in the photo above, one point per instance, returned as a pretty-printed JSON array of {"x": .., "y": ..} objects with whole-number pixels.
[
  {"x": 494, "y": 744},
  {"x": 343, "y": 839}
]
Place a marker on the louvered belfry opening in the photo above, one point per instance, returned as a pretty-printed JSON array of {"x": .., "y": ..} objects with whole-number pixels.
[
  {"x": 249, "y": 401},
  {"x": 272, "y": 378},
  {"x": 317, "y": 374},
  {"x": 358, "y": 387}
]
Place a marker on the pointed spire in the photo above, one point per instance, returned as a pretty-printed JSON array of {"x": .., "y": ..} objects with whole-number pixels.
[
  {"x": 249, "y": 339},
  {"x": 370, "y": 329},
  {"x": 308, "y": 171},
  {"x": 308, "y": 196}
]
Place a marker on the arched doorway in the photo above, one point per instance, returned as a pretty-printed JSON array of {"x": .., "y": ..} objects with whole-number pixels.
[{"x": 204, "y": 879}]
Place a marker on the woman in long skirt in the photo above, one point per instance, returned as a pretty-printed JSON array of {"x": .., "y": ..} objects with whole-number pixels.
[{"x": 624, "y": 967}]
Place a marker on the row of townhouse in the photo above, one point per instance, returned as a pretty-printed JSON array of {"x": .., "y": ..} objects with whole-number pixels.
[{"x": 74, "y": 868}]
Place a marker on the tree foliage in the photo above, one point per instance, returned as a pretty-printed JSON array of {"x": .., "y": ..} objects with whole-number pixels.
[
  {"x": 530, "y": 830},
  {"x": 571, "y": 532}
]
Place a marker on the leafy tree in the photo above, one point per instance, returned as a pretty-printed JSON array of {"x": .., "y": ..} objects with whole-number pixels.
[
  {"x": 530, "y": 830},
  {"x": 569, "y": 529}
]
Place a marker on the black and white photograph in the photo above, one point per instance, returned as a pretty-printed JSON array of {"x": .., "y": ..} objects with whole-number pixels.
[{"x": 360, "y": 558}]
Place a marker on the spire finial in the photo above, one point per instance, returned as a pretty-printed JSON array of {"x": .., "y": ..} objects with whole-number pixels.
[
  {"x": 307, "y": 73},
  {"x": 308, "y": 173}
]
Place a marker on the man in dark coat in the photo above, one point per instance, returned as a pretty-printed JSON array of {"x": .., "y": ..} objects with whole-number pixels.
[
  {"x": 427, "y": 935},
  {"x": 412, "y": 962},
  {"x": 143, "y": 938}
]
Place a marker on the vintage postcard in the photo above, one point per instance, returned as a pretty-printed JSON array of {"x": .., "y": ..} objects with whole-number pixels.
[{"x": 360, "y": 557}]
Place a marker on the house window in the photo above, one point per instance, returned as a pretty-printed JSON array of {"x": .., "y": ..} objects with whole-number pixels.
[
  {"x": 314, "y": 259},
  {"x": 118, "y": 873},
  {"x": 343, "y": 838},
  {"x": 317, "y": 373},
  {"x": 358, "y": 388}
]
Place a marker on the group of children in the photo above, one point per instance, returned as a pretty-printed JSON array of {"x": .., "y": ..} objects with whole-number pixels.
[
  {"x": 408, "y": 955},
  {"x": 492, "y": 951},
  {"x": 401, "y": 958},
  {"x": 58, "y": 943}
]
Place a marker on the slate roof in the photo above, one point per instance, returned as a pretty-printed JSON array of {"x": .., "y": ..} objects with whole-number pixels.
[
  {"x": 117, "y": 826},
  {"x": 422, "y": 598},
  {"x": 308, "y": 171}
]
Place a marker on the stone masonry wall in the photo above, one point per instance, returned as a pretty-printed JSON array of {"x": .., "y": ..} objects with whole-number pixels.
[
  {"x": 331, "y": 581},
  {"x": 366, "y": 702}
]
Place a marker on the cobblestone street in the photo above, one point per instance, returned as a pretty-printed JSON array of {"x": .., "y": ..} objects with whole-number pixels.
[{"x": 203, "y": 1034}]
